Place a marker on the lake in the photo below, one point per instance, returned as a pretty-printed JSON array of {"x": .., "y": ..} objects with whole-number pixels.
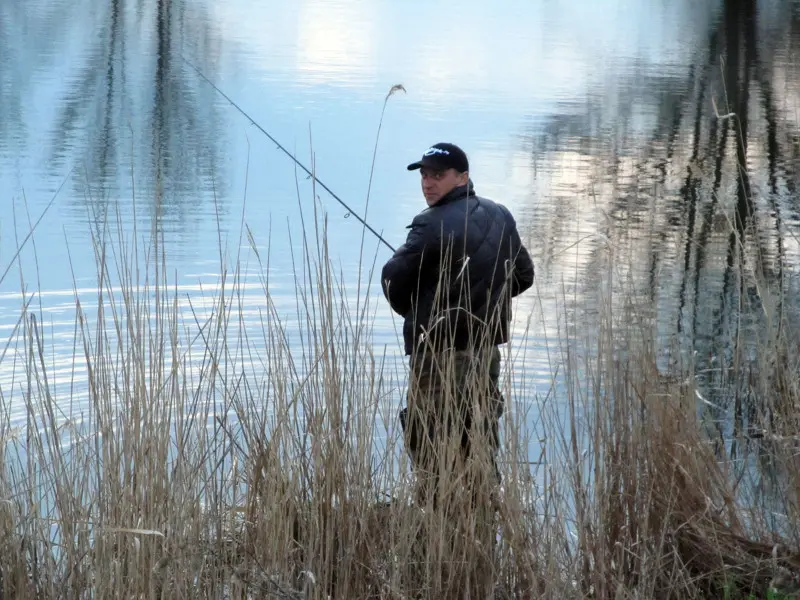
[{"x": 604, "y": 126}]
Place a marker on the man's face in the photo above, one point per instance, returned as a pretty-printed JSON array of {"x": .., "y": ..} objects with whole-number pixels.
[{"x": 436, "y": 184}]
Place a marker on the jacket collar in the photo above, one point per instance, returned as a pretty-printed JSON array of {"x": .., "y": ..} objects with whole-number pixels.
[{"x": 457, "y": 193}]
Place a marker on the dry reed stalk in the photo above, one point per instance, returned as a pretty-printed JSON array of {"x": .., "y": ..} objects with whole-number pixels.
[
  {"x": 661, "y": 515},
  {"x": 188, "y": 474}
]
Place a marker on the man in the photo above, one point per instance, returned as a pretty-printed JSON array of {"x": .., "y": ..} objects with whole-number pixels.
[{"x": 452, "y": 282}]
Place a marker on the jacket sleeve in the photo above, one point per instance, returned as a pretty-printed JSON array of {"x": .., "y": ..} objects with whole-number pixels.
[
  {"x": 400, "y": 275},
  {"x": 523, "y": 269},
  {"x": 522, "y": 273}
]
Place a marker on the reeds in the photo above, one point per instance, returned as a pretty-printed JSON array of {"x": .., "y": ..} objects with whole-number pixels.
[{"x": 208, "y": 459}]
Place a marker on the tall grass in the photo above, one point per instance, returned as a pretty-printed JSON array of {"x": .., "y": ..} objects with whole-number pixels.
[{"x": 214, "y": 460}]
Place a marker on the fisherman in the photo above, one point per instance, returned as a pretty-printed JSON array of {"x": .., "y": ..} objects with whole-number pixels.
[{"x": 452, "y": 282}]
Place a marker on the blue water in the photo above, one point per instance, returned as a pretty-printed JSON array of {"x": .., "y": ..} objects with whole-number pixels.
[{"x": 557, "y": 104}]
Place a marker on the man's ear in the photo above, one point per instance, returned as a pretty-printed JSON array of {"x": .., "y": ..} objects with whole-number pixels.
[{"x": 464, "y": 177}]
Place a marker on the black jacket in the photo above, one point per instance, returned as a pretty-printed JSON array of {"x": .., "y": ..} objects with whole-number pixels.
[{"x": 453, "y": 279}]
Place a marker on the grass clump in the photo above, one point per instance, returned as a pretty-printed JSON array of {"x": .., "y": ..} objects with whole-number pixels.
[{"x": 207, "y": 458}]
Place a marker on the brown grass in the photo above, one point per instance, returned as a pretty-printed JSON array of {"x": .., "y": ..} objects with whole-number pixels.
[{"x": 209, "y": 463}]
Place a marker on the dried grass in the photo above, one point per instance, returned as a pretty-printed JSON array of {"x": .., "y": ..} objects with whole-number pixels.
[{"x": 194, "y": 473}]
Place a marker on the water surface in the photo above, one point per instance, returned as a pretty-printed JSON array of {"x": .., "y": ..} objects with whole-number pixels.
[{"x": 598, "y": 123}]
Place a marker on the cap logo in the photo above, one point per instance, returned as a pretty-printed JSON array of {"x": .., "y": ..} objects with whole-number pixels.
[{"x": 432, "y": 151}]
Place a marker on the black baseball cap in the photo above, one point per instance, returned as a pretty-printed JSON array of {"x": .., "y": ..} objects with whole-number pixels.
[{"x": 442, "y": 156}]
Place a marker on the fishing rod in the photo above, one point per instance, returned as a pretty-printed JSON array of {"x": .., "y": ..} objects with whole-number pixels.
[{"x": 289, "y": 154}]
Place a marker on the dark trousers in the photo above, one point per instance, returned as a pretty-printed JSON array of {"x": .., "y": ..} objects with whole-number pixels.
[{"x": 452, "y": 416}]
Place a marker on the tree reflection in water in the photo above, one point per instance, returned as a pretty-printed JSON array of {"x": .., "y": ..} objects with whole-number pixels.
[
  {"x": 128, "y": 108},
  {"x": 703, "y": 199}
]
